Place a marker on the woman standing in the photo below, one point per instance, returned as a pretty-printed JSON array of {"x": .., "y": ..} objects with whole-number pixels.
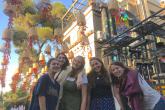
[
  {"x": 65, "y": 68},
  {"x": 100, "y": 93},
  {"x": 63, "y": 74},
  {"x": 75, "y": 87},
  {"x": 45, "y": 93},
  {"x": 140, "y": 95}
]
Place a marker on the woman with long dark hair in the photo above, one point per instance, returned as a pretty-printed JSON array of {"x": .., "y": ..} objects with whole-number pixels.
[
  {"x": 64, "y": 73},
  {"x": 100, "y": 93},
  {"x": 131, "y": 84}
]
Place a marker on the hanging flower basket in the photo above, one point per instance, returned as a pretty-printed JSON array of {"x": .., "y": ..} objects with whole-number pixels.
[
  {"x": 33, "y": 33},
  {"x": 26, "y": 57},
  {"x": 113, "y": 7},
  {"x": 58, "y": 35},
  {"x": 9, "y": 9},
  {"x": 2, "y": 49},
  {"x": 113, "y": 4},
  {"x": 19, "y": 38},
  {"x": 56, "y": 52},
  {"x": 4, "y": 62},
  {"x": 48, "y": 49},
  {"x": 7, "y": 34},
  {"x": 41, "y": 59},
  {"x": 65, "y": 48},
  {"x": 81, "y": 19},
  {"x": 70, "y": 55}
]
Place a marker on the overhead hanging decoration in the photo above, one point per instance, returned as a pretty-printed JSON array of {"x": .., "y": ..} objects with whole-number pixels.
[
  {"x": 48, "y": 50},
  {"x": 42, "y": 59},
  {"x": 45, "y": 9}
]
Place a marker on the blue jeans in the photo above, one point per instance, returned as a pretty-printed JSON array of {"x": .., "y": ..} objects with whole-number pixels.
[{"x": 160, "y": 105}]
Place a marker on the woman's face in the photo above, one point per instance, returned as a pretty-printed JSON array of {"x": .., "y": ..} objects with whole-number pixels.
[
  {"x": 77, "y": 63},
  {"x": 54, "y": 66},
  {"x": 62, "y": 59},
  {"x": 96, "y": 65},
  {"x": 117, "y": 70}
]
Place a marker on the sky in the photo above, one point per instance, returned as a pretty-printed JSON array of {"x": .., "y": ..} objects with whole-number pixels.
[{"x": 13, "y": 56}]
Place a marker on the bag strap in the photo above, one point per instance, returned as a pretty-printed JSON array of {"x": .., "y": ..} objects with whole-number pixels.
[{"x": 57, "y": 75}]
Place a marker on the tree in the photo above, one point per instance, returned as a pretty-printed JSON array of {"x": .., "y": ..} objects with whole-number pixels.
[{"x": 34, "y": 26}]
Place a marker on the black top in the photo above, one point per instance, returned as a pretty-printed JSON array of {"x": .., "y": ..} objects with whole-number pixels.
[{"x": 101, "y": 88}]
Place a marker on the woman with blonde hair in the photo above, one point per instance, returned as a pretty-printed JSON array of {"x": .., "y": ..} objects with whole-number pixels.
[{"x": 75, "y": 87}]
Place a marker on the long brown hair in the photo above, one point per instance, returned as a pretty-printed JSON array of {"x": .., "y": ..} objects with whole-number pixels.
[
  {"x": 91, "y": 74},
  {"x": 66, "y": 61},
  {"x": 120, "y": 82}
]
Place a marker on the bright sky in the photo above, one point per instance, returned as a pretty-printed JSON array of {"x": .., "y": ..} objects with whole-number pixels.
[{"x": 14, "y": 58}]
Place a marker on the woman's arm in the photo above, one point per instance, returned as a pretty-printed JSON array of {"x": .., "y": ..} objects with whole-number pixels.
[
  {"x": 42, "y": 102},
  {"x": 84, "y": 97},
  {"x": 117, "y": 95},
  {"x": 88, "y": 99}
]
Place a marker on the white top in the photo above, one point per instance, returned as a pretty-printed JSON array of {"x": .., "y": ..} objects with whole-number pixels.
[{"x": 151, "y": 96}]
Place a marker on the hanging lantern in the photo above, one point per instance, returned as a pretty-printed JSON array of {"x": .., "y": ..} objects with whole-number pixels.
[
  {"x": 46, "y": 68},
  {"x": 35, "y": 68},
  {"x": 57, "y": 51},
  {"x": 7, "y": 34},
  {"x": 80, "y": 19},
  {"x": 48, "y": 49},
  {"x": 42, "y": 70},
  {"x": 70, "y": 55},
  {"x": 30, "y": 70},
  {"x": 41, "y": 59},
  {"x": 89, "y": 55}
]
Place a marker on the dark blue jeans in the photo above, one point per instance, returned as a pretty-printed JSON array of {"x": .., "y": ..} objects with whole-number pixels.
[{"x": 160, "y": 105}]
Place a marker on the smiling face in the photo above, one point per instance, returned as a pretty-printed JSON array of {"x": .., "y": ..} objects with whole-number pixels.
[
  {"x": 62, "y": 59},
  {"x": 54, "y": 66},
  {"x": 117, "y": 70},
  {"x": 96, "y": 65},
  {"x": 77, "y": 63}
]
